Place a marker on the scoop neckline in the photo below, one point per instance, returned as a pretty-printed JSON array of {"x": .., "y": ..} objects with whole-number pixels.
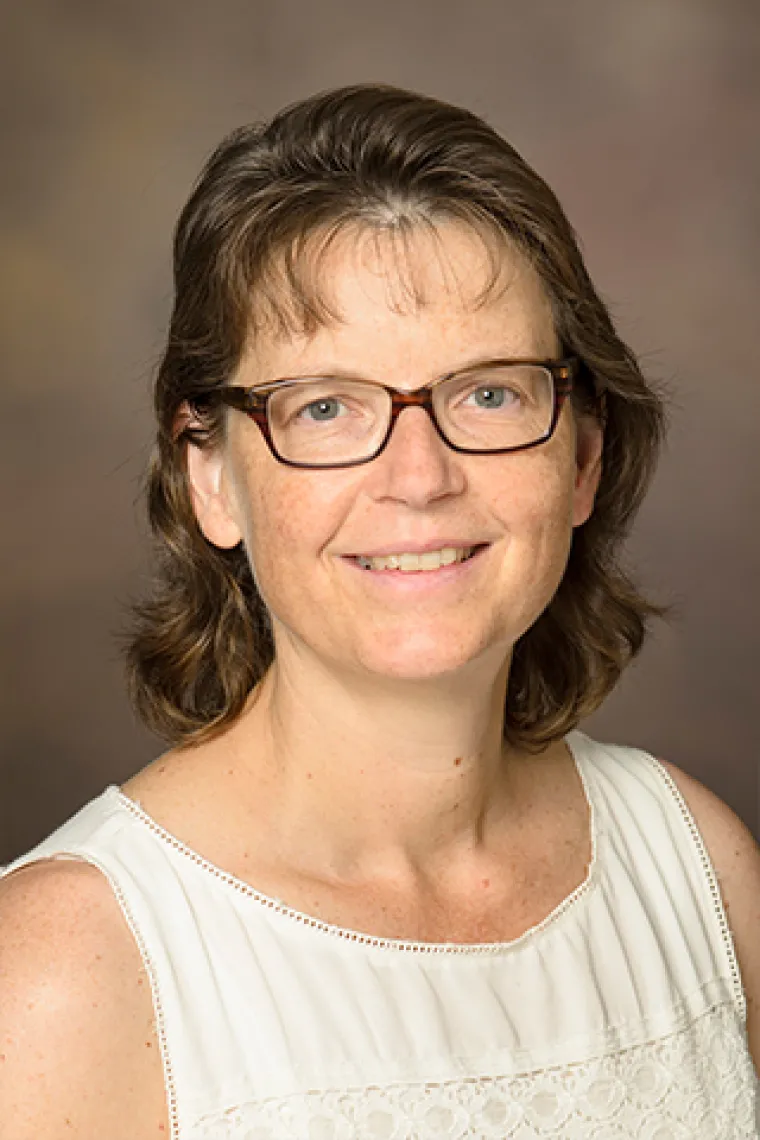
[{"x": 575, "y": 742}]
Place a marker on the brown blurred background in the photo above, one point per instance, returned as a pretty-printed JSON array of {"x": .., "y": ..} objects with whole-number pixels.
[{"x": 645, "y": 117}]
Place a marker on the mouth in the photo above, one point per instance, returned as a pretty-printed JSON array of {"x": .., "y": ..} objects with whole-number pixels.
[{"x": 409, "y": 563}]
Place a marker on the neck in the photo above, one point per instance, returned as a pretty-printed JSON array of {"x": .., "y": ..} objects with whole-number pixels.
[{"x": 387, "y": 776}]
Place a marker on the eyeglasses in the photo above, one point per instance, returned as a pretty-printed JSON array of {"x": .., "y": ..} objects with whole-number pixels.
[{"x": 495, "y": 407}]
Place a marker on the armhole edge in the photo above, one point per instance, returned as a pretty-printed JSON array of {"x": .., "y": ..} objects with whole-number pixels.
[{"x": 711, "y": 878}]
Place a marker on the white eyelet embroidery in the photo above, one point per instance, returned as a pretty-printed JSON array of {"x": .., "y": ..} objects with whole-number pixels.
[{"x": 698, "y": 1084}]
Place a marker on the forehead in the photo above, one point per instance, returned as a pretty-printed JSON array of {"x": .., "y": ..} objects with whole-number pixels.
[{"x": 436, "y": 288}]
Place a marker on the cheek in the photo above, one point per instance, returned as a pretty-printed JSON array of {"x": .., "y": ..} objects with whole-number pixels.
[
  {"x": 288, "y": 520},
  {"x": 274, "y": 521},
  {"x": 535, "y": 494},
  {"x": 536, "y": 511}
]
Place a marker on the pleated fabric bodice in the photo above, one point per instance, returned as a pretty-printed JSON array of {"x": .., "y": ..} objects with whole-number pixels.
[{"x": 620, "y": 1016}]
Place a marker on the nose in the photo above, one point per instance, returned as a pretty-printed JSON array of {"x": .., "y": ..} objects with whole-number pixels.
[{"x": 416, "y": 465}]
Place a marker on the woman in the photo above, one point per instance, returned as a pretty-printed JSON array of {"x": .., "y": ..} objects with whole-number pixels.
[{"x": 380, "y": 886}]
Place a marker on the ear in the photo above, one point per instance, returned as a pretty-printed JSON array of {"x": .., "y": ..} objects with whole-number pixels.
[
  {"x": 589, "y": 441},
  {"x": 209, "y": 490}
]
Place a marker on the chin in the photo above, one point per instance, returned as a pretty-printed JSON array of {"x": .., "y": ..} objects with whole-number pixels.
[{"x": 427, "y": 656}]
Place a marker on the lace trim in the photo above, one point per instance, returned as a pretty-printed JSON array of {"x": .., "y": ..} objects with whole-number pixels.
[
  {"x": 712, "y": 882},
  {"x": 698, "y": 1084},
  {"x": 279, "y": 907}
]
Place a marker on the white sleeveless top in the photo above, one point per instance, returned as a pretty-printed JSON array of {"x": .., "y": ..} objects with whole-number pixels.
[{"x": 620, "y": 1016}]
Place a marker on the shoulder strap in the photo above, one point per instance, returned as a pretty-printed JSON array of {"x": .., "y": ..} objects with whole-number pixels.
[{"x": 648, "y": 841}]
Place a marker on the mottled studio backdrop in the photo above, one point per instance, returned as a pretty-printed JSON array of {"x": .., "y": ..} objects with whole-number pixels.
[{"x": 645, "y": 117}]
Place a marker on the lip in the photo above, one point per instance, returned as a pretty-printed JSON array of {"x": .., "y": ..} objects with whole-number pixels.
[
  {"x": 416, "y": 582},
  {"x": 418, "y": 548}
]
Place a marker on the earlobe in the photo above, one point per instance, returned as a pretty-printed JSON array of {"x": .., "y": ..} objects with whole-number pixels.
[
  {"x": 588, "y": 469},
  {"x": 209, "y": 495}
]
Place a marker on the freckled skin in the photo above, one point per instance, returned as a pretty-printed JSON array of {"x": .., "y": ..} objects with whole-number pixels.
[
  {"x": 372, "y": 687},
  {"x": 298, "y": 524}
]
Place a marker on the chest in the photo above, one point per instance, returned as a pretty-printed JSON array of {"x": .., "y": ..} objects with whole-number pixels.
[{"x": 495, "y": 905}]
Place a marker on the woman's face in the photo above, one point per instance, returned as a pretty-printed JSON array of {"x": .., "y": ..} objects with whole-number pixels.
[{"x": 305, "y": 530}]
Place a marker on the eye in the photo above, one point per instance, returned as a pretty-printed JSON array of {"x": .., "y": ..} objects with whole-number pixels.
[
  {"x": 323, "y": 410},
  {"x": 492, "y": 396}
]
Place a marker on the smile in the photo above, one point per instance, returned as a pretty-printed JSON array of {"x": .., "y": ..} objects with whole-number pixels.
[{"x": 417, "y": 563}]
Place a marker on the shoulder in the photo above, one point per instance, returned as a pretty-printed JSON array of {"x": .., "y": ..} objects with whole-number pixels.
[
  {"x": 734, "y": 851},
  {"x": 75, "y": 1008},
  {"x": 735, "y": 855},
  {"x": 63, "y": 908}
]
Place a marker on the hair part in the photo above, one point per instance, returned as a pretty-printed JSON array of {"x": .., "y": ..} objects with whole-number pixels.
[{"x": 249, "y": 252}]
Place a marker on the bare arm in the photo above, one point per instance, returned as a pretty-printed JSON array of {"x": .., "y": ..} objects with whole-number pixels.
[
  {"x": 736, "y": 857},
  {"x": 78, "y": 1054}
]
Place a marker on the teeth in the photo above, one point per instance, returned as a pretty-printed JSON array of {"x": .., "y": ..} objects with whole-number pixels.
[{"x": 414, "y": 563}]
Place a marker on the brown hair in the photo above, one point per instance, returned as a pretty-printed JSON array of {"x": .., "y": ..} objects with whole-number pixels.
[{"x": 388, "y": 159}]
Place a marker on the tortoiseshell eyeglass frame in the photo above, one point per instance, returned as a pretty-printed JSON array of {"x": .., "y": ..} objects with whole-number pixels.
[{"x": 253, "y": 401}]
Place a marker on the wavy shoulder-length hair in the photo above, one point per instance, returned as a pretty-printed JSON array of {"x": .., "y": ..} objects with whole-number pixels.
[{"x": 246, "y": 252}]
